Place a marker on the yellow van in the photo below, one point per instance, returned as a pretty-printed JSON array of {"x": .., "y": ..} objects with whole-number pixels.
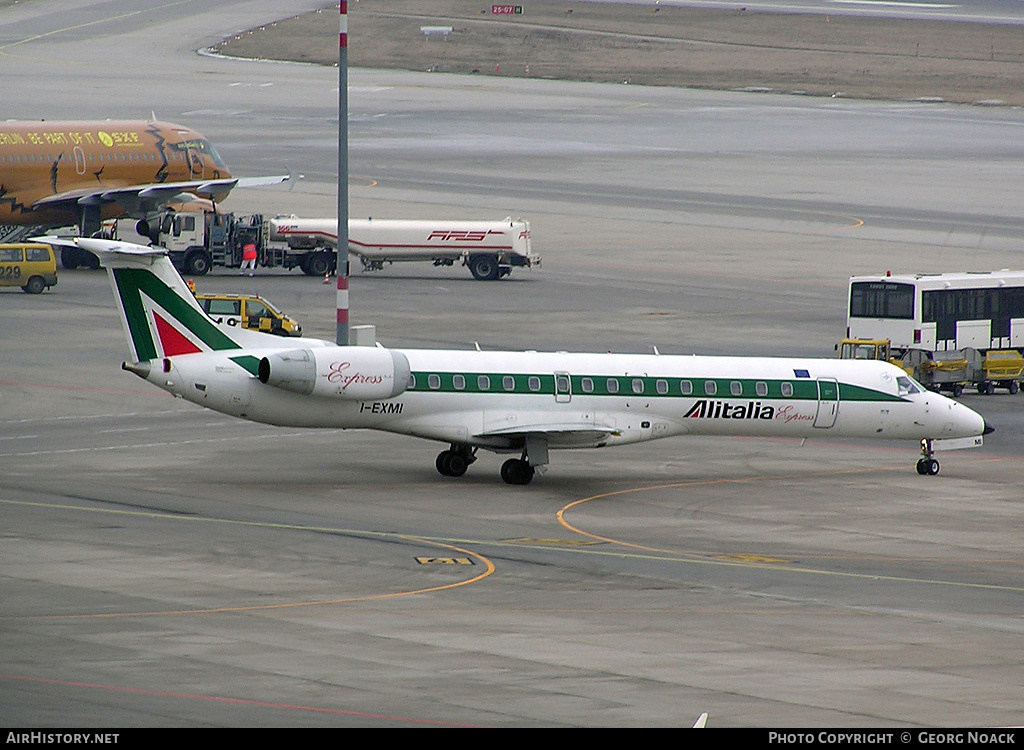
[
  {"x": 31, "y": 266},
  {"x": 248, "y": 311}
]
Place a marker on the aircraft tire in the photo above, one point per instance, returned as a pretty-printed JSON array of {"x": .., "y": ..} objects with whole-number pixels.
[
  {"x": 456, "y": 464},
  {"x": 928, "y": 467},
  {"x": 451, "y": 463},
  {"x": 517, "y": 471},
  {"x": 441, "y": 463}
]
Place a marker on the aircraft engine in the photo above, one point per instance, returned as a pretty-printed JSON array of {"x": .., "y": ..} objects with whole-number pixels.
[{"x": 358, "y": 373}]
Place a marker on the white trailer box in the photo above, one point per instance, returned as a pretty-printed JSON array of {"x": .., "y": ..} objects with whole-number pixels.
[{"x": 490, "y": 249}]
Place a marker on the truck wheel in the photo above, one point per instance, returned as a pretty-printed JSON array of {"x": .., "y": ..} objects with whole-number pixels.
[
  {"x": 197, "y": 264},
  {"x": 1013, "y": 387},
  {"x": 317, "y": 265},
  {"x": 35, "y": 285},
  {"x": 484, "y": 267}
]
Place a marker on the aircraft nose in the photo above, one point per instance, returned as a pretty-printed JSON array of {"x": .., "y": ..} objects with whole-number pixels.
[{"x": 989, "y": 429}]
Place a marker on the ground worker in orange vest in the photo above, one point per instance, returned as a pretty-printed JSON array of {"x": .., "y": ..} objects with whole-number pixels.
[{"x": 248, "y": 259}]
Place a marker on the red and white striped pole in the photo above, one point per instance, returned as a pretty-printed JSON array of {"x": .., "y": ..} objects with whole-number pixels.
[{"x": 342, "y": 271}]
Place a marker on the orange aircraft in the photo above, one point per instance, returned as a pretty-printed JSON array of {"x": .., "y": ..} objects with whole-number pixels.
[{"x": 57, "y": 174}]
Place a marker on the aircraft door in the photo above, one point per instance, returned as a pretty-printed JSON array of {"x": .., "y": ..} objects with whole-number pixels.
[
  {"x": 196, "y": 164},
  {"x": 828, "y": 402},
  {"x": 563, "y": 387},
  {"x": 79, "y": 157}
]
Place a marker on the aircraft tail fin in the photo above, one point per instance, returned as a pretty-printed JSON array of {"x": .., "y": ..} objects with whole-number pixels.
[{"x": 160, "y": 314}]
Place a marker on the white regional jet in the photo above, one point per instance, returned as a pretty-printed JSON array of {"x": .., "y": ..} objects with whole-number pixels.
[{"x": 520, "y": 403}]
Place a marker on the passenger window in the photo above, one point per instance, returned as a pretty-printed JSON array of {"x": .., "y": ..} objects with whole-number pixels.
[
  {"x": 483, "y": 383},
  {"x": 534, "y": 383},
  {"x": 508, "y": 383},
  {"x": 736, "y": 388},
  {"x": 710, "y": 387},
  {"x": 37, "y": 254},
  {"x": 662, "y": 387},
  {"x": 787, "y": 389},
  {"x": 685, "y": 387},
  {"x": 761, "y": 388},
  {"x": 638, "y": 385},
  {"x": 613, "y": 385},
  {"x": 459, "y": 381},
  {"x": 10, "y": 255},
  {"x": 433, "y": 381},
  {"x": 587, "y": 384}
]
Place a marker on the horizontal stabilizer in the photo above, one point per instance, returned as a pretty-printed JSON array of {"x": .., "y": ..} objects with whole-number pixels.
[{"x": 103, "y": 247}]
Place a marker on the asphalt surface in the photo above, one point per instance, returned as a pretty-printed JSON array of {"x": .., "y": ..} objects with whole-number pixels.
[{"x": 161, "y": 565}]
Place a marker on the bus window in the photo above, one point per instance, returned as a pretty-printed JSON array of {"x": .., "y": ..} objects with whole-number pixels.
[{"x": 881, "y": 299}]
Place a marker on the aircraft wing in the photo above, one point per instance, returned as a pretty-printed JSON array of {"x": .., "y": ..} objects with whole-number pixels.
[{"x": 145, "y": 197}]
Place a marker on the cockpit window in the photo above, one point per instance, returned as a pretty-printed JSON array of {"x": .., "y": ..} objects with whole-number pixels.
[
  {"x": 907, "y": 386},
  {"x": 208, "y": 148}
]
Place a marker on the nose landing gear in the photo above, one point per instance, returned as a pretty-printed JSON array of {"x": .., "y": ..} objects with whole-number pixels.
[{"x": 927, "y": 465}]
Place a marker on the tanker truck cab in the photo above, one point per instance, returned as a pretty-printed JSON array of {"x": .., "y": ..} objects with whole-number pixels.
[{"x": 248, "y": 311}]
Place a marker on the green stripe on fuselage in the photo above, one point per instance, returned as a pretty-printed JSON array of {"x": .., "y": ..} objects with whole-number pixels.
[{"x": 803, "y": 389}]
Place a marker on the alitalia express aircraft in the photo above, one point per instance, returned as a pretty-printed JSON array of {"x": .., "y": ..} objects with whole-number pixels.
[{"x": 519, "y": 403}]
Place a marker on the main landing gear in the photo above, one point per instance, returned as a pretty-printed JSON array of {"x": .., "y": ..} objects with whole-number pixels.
[
  {"x": 927, "y": 466},
  {"x": 517, "y": 471},
  {"x": 521, "y": 470},
  {"x": 454, "y": 461}
]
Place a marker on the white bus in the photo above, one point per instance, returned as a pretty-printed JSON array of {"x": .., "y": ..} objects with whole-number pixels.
[{"x": 939, "y": 311}]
